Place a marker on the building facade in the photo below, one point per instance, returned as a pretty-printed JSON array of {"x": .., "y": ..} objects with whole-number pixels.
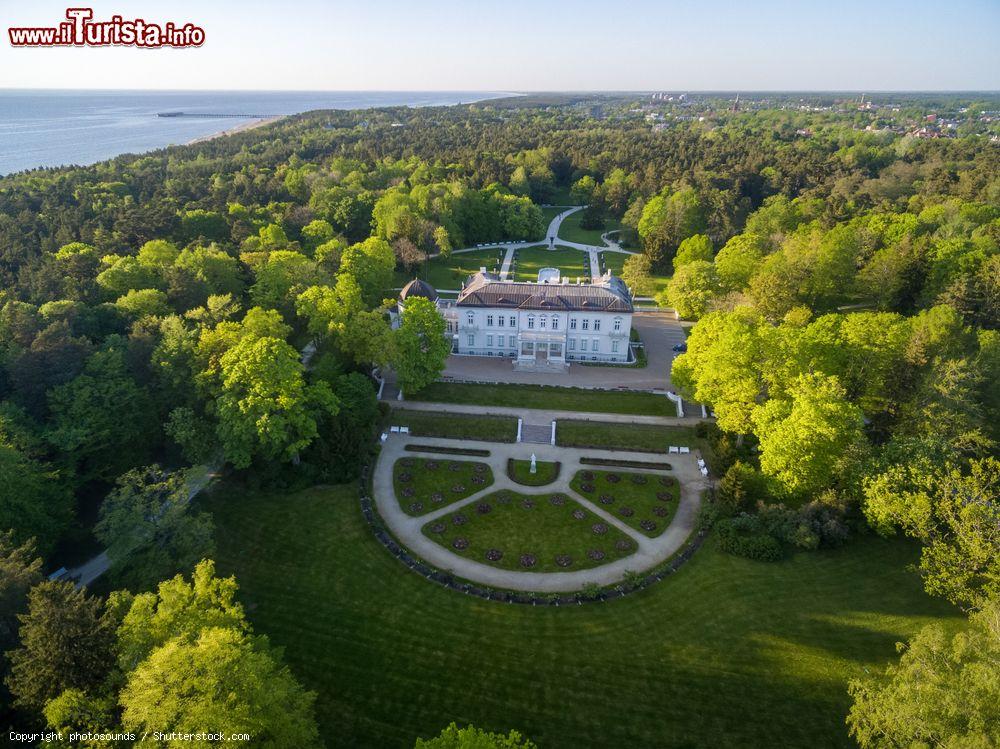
[{"x": 541, "y": 325}]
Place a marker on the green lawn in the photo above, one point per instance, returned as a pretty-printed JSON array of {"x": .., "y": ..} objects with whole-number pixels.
[
  {"x": 432, "y": 482},
  {"x": 548, "y": 397},
  {"x": 644, "y": 502},
  {"x": 639, "y": 437},
  {"x": 727, "y": 652},
  {"x": 538, "y": 533},
  {"x": 450, "y": 272},
  {"x": 545, "y": 472},
  {"x": 572, "y": 264},
  {"x": 571, "y": 231},
  {"x": 456, "y": 426}
]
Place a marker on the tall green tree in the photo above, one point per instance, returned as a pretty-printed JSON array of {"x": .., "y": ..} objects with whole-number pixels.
[
  {"x": 266, "y": 407},
  {"x": 954, "y": 513},
  {"x": 419, "y": 346},
  {"x": 943, "y": 692},
  {"x": 222, "y": 680},
  {"x": 806, "y": 438},
  {"x": 150, "y": 529},
  {"x": 35, "y": 502},
  {"x": 471, "y": 737},
  {"x": 66, "y": 643}
]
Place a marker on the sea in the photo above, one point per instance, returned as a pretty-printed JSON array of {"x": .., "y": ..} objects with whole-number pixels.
[{"x": 60, "y": 128}]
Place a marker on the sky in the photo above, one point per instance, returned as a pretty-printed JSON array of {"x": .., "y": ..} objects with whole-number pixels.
[{"x": 517, "y": 45}]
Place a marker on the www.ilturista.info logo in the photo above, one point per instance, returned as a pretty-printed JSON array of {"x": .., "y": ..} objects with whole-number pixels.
[{"x": 80, "y": 30}]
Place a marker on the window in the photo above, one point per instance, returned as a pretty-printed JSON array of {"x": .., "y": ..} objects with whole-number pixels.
[
  {"x": 489, "y": 321},
  {"x": 572, "y": 344},
  {"x": 499, "y": 341},
  {"x": 489, "y": 341},
  {"x": 594, "y": 345},
  {"x": 555, "y": 322},
  {"x": 512, "y": 341},
  {"x": 541, "y": 321},
  {"x": 513, "y": 321},
  {"x": 572, "y": 323},
  {"x": 618, "y": 324},
  {"x": 614, "y": 347},
  {"x": 470, "y": 318},
  {"x": 586, "y": 324},
  {"x": 472, "y": 341},
  {"x": 500, "y": 321},
  {"x": 597, "y": 324},
  {"x": 531, "y": 322}
]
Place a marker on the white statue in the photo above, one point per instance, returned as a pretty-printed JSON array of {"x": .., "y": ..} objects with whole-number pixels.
[{"x": 534, "y": 468}]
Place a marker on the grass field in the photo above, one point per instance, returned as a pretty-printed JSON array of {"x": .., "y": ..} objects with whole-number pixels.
[
  {"x": 456, "y": 426},
  {"x": 548, "y": 397},
  {"x": 571, "y": 231},
  {"x": 450, "y": 272},
  {"x": 520, "y": 471},
  {"x": 727, "y": 652},
  {"x": 432, "y": 483},
  {"x": 538, "y": 533},
  {"x": 572, "y": 264},
  {"x": 640, "y": 437}
]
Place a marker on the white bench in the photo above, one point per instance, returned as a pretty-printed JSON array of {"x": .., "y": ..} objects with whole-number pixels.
[
  {"x": 384, "y": 437},
  {"x": 673, "y": 450},
  {"x": 404, "y": 430},
  {"x": 685, "y": 450},
  {"x": 394, "y": 430},
  {"x": 704, "y": 471},
  {"x": 701, "y": 463}
]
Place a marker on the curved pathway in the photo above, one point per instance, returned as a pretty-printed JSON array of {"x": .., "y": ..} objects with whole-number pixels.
[{"x": 651, "y": 551}]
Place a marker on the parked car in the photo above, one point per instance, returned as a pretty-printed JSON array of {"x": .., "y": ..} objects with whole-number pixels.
[{"x": 681, "y": 348}]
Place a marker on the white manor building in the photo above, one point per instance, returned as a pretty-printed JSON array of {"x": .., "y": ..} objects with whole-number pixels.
[{"x": 540, "y": 325}]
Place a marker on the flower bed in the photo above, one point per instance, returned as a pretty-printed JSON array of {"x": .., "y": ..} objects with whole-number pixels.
[
  {"x": 519, "y": 472},
  {"x": 425, "y": 484},
  {"x": 548, "y": 533},
  {"x": 645, "y": 502}
]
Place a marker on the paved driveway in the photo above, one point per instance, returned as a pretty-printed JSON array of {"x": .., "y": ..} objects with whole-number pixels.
[{"x": 658, "y": 330}]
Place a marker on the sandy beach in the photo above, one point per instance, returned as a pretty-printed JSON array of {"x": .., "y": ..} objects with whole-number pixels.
[{"x": 248, "y": 125}]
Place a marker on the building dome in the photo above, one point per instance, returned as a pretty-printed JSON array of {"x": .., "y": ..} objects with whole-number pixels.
[{"x": 416, "y": 288}]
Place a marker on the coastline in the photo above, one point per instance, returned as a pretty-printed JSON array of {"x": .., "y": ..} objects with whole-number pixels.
[{"x": 248, "y": 125}]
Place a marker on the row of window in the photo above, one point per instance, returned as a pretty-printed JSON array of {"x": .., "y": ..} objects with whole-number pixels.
[
  {"x": 543, "y": 322},
  {"x": 595, "y": 345}
]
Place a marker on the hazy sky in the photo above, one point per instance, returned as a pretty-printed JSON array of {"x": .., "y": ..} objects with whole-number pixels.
[{"x": 516, "y": 45}]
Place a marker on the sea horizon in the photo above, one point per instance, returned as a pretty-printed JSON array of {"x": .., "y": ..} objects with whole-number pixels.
[{"x": 78, "y": 127}]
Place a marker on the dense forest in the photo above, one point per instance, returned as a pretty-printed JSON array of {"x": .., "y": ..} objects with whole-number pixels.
[{"x": 224, "y": 305}]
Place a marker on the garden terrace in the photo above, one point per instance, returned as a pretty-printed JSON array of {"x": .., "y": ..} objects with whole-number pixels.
[
  {"x": 422, "y": 485},
  {"x": 456, "y": 426},
  {"x": 637, "y": 437},
  {"x": 530, "y": 533},
  {"x": 644, "y": 501},
  {"x": 552, "y": 397}
]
